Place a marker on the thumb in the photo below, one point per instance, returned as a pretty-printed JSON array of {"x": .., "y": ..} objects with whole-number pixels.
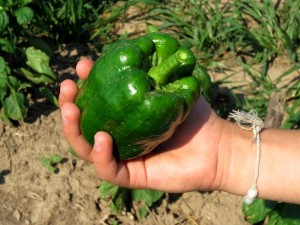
[
  {"x": 102, "y": 153},
  {"x": 107, "y": 167}
]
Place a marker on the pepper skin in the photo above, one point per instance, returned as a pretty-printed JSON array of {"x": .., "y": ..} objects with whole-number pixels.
[{"x": 138, "y": 91}]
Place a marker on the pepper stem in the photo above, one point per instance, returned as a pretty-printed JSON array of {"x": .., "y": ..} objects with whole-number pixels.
[{"x": 181, "y": 58}]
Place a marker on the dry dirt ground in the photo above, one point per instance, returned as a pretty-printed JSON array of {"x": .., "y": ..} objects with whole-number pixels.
[{"x": 29, "y": 194}]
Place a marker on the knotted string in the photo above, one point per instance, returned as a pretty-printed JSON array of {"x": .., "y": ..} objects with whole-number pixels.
[{"x": 250, "y": 121}]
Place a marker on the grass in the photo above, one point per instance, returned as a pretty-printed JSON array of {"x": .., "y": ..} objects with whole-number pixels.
[{"x": 251, "y": 35}]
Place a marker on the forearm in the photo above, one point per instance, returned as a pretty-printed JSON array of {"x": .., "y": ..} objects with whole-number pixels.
[{"x": 279, "y": 168}]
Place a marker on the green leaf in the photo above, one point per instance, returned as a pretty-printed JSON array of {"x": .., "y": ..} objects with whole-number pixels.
[
  {"x": 15, "y": 105},
  {"x": 4, "y": 117},
  {"x": 107, "y": 189},
  {"x": 39, "y": 61},
  {"x": 118, "y": 194},
  {"x": 2, "y": 65},
  {"x": 7, "y": 46},
  {"x": 118, "y": 202},
  {"x": 45, "y": 161},
  {"x": 39, "y": 43},
  {"x": 55, "y": 159},
  {"x": 143, "y": 211},
  {"x": 147, "y": 196},
  {"x": 258, "y": 210},
  {"x": 3, "y": 79},
  {"x": 3, "y": 93},
  {"x": 151, "y": 28},
  {"x": 115, "y": 222},
  {"x": 25, "y": 2},
  {"x": 14, "y": 82},
  {"x": 36, "y": 78},
  {"x": 48, "y": 94},
  {"x": 285, "y": 214},
  {"x": 3, "y": 20},
  {"x": 24, "y": 15},
  {"x": 3, "y": 86},
  {"x": 51, "y": 162}
]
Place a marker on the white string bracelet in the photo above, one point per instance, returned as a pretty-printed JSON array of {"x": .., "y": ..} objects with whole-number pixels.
[{"x": 250, "y": 121}]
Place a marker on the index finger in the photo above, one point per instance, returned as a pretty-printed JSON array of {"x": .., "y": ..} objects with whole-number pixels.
[{"x": 70, "y": 123}]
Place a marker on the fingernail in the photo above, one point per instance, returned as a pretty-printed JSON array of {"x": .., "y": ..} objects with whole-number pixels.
[{"x": 97, "y": 144}]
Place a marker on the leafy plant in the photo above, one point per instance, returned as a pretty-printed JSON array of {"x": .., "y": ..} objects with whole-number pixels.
[
  {"x": 293, "y": 111},
  {"x": 51, "y": 162},
  {"x": 104, "y": 28},
  {"x": 272, "y": 213},
  {"x": 68, "y": 21},
  {"x": 272, "y": 28},
  {"x": 122, "y": 198},
  {"x": 22, "y": 65},
  {"x": 203, "y": 24},
  {"x": 251, "y": 35}
]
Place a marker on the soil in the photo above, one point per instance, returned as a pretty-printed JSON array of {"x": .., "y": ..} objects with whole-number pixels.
[{"x": 32, "y": 195}]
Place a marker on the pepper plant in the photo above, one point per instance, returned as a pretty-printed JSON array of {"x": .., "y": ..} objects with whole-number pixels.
[
  {"x": 272, "y": 213},
  {"x": 51, "y": 162},
  {"x": 122, "y": 198},
  {"x": 23, "y": 65}
]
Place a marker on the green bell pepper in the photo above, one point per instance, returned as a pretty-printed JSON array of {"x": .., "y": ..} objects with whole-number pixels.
[{"x": 138, "y": 91}]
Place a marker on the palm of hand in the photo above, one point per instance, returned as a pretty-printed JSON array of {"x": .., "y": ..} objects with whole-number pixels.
[{"x": 187, "y": 161}]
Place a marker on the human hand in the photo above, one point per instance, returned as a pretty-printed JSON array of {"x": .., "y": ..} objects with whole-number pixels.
[{"x": 188, "y": 161}]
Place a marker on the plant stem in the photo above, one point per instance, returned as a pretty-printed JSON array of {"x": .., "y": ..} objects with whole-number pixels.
[{"x": 181, "y": 58}]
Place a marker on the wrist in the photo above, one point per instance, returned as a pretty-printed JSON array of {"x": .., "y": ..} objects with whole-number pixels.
[
  {"x": 279, "y": 161},
  {"x": 236, "y": 160}
]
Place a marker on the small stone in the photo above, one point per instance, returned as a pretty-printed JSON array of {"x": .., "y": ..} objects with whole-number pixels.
[
  {"x": 131, "y": 217},
  {"x": 17, "y": 214}
]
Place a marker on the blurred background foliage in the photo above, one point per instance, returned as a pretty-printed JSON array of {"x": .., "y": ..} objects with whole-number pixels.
[{"x": 237, "y": 42}]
